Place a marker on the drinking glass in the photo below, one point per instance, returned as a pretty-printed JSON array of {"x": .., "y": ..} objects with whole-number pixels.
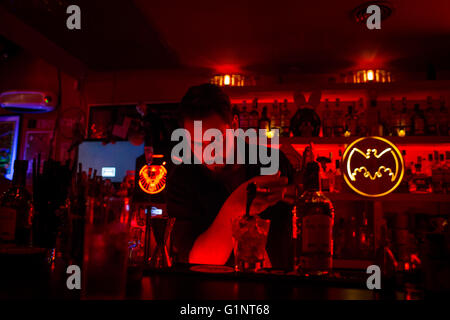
[
  {"x": 249, "y": 238},
  {"x": 105, "y": 248}
]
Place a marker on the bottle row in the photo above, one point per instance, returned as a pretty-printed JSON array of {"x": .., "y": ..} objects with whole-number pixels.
[
  {"x": 429, "y": 173},
  {"x": 349, "y": 118}
]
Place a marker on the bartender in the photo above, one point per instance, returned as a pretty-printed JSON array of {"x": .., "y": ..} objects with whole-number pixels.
[{"x": 205, "y": 197}]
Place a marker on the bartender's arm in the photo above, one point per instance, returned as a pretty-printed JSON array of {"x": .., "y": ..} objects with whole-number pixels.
[{"x": 215, "y": 244}]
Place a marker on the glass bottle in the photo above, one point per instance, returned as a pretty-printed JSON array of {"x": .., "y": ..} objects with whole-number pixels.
[
  {"x": 285, "y": 119},
  {"x": 339, "y": 122},
  {"x": 437, "y": 175},
  {"x": 365, "y": 237},
  {"x": 264, "y": 122},
  {"x": 313, "y": 218},
  {"x": 244, "y": 117},
  {"x": 275, "y": 119},
  {"x": 338, "y": 179},
  {"x": 431, "y": 120},
  {"x": 16, "y": 211},
  {"x": 444, "y": 119},
  {"x": 394, "y": 119},
  {"x": 446, "y": 169},
  {"x": 235, "y": 121},
  {"x": 420, "y": 182},
  {"x": 254, "y": 115},
  {"x": 362, "y": 119},
  {"x": 405, "y": 120},
  {"x": 323, "y": 174},
  {"x": 350, "y": 122},
  {"x": 327, "y": 120},
  {"x": 418, "y": 121}
]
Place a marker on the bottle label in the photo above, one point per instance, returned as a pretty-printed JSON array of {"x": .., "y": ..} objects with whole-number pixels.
[
  {"x": 7, "y": 223},
  {"x": 317, "y": 233}
]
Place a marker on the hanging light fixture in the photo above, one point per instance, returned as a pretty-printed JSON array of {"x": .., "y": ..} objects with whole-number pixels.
[
  {"x": 371, "y": 75},
  {"x": 232, "y": 80}
]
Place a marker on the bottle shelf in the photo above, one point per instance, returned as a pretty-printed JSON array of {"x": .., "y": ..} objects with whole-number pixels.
[
  {"x": 412, "y": 140},
  {"x": 393, "y": 197},
  {"x": 388, "y": 88}
]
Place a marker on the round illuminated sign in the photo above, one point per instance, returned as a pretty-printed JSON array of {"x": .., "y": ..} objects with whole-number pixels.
[
  {"x": 372, "y": 166},
  {"x": 152, "y": 179}
]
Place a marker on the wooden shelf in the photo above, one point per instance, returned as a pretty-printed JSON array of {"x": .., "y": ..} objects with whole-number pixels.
[
  {"x": 418, "y": 140},
  {"x": 393, "y": 197}
]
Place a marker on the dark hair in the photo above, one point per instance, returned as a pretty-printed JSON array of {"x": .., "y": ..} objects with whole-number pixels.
[{"x": 205, "y": 100}]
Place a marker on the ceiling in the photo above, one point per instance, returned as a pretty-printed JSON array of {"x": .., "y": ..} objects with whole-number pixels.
[{"x": 267, "y": 37}]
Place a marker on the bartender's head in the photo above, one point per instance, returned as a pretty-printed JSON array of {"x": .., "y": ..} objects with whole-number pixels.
[{"x": 210, "y": 105}]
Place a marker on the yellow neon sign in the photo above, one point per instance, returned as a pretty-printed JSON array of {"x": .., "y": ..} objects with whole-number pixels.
[{"x": 373, "y": 173}]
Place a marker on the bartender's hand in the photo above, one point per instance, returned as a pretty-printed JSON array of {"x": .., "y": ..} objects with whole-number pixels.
[
  {"x": 215, "y": 244},
  {"x": 270, "y": 189}
]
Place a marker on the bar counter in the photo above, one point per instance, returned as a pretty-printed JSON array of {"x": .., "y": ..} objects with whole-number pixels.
[
  {"x": 48, "y": 281},
  {"x": 182, "y": 283}
]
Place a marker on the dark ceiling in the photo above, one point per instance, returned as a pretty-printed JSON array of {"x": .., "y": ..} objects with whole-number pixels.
[{"x": 264, "y": 37}]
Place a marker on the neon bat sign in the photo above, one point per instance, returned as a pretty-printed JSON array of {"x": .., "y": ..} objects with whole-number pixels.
[{"x": 377, "y": 171}]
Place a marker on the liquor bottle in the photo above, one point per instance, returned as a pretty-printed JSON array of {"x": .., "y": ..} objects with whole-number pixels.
[
  {"x": 420, "y": 182},
  {"x": 323, "y": 174},
  {"x": 339, "y": 122},
  {"x": 244, "y": 117},
  {"x": 285, "y": 119},
  {"x": 362, "y": 119},
  {"x": 418, "y": 121},
  {"x": 16, "y": 211},
  {"x": 385, "y": 258},
  {"x": 338, "y": 179},
  {"x": 393, "y": 119},
  {"x": 405, "y": 120},
  {"x": 235, "y": 121},
  {"x": 308, "y": 156},
  {"x": 427, "y": 166},
  {"x": 327, "y": 120},
  {"x": 446, "y": 169},
  {"x": 431, "y": 120},
  {"x": 437, "y": 175},
  {"x": 254, "y": 116},
  {"x": 264, "y": 122},
  {"x": 444, "y": 119},
  {"x": 313, "y": 218},
  {"x": 365, "y": 238},
  {"x": 275, "y": 117},
  {"x": 406, "y": 184},
  {"x": 351, "y": 122},
  {"x": 352, "y": 238},
  {"x": 380, "y": 125},
  {"x": 331, "y": 174}
]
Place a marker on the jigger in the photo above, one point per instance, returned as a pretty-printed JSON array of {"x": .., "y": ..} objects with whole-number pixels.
[{"x": 161, "y": 228}]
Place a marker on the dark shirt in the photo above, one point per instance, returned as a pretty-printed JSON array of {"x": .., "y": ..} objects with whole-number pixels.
[{"x": 196, "y": 194}]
